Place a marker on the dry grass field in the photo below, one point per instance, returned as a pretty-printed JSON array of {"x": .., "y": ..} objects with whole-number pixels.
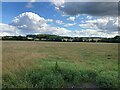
[{"x": 24, "y": 63}]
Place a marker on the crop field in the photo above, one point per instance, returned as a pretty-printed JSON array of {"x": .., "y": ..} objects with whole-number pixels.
[{"x": 59, "y": 64}]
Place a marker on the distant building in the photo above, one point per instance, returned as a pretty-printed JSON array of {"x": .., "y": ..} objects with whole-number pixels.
[
  {"x": 70, "y": 39},
  {"x": 30, "y": 38},
  {"x": 97, "y": 39},
  {"x": 43, "y": 39},
  {"x": 91, "y": 39},
  {"x": 67, "y": 39},
  {"x": 10, "y": 37},
  {"x": 37, "y": 39},
  {"x": 64, "y": 39},
  {"x": 85, "y": 39}
]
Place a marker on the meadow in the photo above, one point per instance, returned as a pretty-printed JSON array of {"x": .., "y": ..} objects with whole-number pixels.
[{"x": 33, "y": 64}]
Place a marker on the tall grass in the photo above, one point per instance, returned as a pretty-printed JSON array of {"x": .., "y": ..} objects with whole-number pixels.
[
  {"x": 59, "y": 65},
  {"x": 57, "y": 77}
]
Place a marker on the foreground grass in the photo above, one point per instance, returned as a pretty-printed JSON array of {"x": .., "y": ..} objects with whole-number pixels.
[
  {"x": 54, "y": 76},
  {"x": 33, "y": 64}
]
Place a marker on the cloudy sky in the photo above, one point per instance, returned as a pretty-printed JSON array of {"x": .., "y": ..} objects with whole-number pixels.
[{"x": 76, "y": 19}]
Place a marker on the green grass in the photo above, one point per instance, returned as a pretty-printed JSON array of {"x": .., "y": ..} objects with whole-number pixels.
[
  {"x": 59, "y": 65},
  {"x": 54, "y": 76}
]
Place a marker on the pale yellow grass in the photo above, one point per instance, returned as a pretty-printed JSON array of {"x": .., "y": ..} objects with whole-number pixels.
[
  {"x": 19, "y": 55},
  {"x": 22, "y": 55}
]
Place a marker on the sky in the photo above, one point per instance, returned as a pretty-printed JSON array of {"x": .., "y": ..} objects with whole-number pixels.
[{"x": 75, "y": 19}]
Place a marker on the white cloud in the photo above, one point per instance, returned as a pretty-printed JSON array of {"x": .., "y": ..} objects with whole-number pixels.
[
  {"x": 49, "y": 20},
  {"x": 89, "y": 17},
  {"x": 105, "y": 24},
  {"x": 32, "y": 0},
  {"x": 31, "y": 23},
  {"x": 59, "y": 22},
  {"x": 8, "y": 30},
  {"x": 87, "y": 25},
  {"x": 29, "y": 5},
  {"x": 61, "y": 31},
  {"x": 93, "y": 33},
  {"x": 58, "y": 3},
  {"x": 71, "y": 18},
  {"x": 69, "y": 24}
]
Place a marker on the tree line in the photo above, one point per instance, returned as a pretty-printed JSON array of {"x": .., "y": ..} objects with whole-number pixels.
[{"x": 47, "y": 37}]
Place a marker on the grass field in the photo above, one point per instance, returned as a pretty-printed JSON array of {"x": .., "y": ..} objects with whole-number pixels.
[{"x": 59, "y": 64}]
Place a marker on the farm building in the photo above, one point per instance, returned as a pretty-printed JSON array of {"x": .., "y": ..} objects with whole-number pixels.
[{"x": 30, "y": 38}]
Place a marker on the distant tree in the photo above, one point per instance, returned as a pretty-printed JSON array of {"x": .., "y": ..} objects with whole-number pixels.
[
  {"x": 77, "y": 39},
  {"x": 49, "y": 37},
  {"x": 92, "y": 40},
  {"x": 117, "y": 39}
]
